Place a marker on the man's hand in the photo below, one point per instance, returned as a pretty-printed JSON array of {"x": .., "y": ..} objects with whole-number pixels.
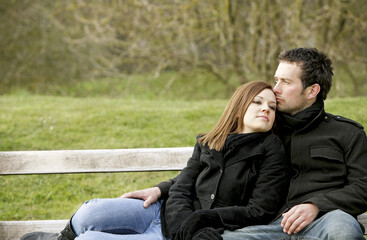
[
  {"x": 299, "y": 217},
  {"x": 149, "y": 195}
]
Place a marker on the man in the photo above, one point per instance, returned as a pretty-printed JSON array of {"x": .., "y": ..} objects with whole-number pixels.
[{"x": 328, "y": 156}]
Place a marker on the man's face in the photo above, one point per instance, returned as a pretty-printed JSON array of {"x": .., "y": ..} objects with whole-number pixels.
[{"x": 290, "y": 95}]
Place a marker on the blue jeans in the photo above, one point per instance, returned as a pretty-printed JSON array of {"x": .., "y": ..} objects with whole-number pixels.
[
  {"x": 117, "y": 219},
  {"x": 335, "y": 225}
]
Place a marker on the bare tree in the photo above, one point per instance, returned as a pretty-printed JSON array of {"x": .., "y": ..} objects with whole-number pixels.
[{"x": 234, "y": 41}]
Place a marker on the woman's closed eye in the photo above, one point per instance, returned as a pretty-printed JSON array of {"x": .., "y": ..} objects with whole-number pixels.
[{"x": 259, "y": 102}]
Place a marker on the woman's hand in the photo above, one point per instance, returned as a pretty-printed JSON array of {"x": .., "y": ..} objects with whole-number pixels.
[
  {"x": 195, "y": 222},
  {"x": 209, "y": 233},
  {"x": 149, "y": 195}
]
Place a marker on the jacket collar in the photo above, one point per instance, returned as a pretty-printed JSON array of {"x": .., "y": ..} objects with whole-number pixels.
[
  {"x": 243, "y": 140},
  {"x": 301, "y": 120},
  {"x": 317, "y": 119}
]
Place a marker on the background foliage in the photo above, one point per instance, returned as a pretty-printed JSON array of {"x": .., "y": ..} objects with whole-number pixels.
[{"x": 45, "y": 42}]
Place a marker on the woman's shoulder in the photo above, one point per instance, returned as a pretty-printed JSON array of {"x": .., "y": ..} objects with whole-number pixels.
[{"x": 272, "y": 139}]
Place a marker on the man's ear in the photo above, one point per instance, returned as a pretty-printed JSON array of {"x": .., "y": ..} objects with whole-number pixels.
[{"x": 313, "y": 91}]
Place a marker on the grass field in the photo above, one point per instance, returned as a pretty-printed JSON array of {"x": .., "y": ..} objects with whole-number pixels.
[{"x": 31, "y": 122}]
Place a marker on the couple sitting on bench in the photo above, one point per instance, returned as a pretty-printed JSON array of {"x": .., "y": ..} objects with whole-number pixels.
[{"x": 241, "y": 183}]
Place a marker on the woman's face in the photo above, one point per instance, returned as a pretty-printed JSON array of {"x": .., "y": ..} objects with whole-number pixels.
[{"x": 260, "y": 114}]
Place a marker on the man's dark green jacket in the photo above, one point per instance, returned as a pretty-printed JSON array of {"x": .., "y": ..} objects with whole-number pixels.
[{"x": 329, "y": 162}]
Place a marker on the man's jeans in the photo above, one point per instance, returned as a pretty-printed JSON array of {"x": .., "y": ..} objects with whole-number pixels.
[
  {"x": 117, "y": 219},
  {"x": 335, "y": 225}
]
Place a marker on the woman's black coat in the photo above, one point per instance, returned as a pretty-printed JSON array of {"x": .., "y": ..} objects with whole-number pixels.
[{"x": 246, "y": 184}]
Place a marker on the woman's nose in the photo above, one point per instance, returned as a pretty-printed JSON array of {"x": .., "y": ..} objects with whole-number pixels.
[{"x": 265, "y": 108}]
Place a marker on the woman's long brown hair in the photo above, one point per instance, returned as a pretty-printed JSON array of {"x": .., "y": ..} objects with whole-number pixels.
[{"x": 231, "y": 120}]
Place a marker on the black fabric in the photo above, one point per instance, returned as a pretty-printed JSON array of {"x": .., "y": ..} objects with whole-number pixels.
[
  {"x": 300, "y": 119},
  {"x": 67, "y": 233},
  {"x": 196, "y": 221},
  {"x": 288, "y": 124},
  {"x": 328, "y": 159},
  {"x": 209, "y": 233},
  {"x": 234, "y": 141},
  {"x": 246, "y": 184}
]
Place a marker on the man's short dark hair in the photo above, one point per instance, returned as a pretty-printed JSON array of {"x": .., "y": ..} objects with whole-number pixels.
[{"x": 316, "y": 67}]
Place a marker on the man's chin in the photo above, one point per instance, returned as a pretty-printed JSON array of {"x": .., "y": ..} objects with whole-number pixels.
[{"x": 283, "y": 110}]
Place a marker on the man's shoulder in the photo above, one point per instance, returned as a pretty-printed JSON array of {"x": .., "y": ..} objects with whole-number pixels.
[{"x": 342, "y": 119}]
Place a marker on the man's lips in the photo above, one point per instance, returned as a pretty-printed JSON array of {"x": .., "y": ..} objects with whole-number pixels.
[{"x": 278, "y": 99}]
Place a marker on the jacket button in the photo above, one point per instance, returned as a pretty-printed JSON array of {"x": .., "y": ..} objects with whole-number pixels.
[{"x": 212, "y": 196}]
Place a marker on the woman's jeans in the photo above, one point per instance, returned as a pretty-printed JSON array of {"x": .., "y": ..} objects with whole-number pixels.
[
  {"x": 335, "y": 225},
  {"x": 117, "y": 219}
]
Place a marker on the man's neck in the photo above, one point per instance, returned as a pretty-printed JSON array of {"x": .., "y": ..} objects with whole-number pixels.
[{"x": 307, "y": 105}]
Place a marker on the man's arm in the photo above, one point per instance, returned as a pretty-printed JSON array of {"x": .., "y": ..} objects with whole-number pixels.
[
  {"x": 350, "y": 198},
  {"x": 149, "y": 195}
]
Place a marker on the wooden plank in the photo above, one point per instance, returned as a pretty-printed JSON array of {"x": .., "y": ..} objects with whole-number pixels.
[
  {"x": 83, "y": 161},
  {"x": 14, "y": 230},
  {"x": 363, "y": 220}
]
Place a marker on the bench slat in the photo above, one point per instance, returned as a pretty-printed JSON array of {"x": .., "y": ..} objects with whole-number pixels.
[
  {"x": 84, "y": 161},
  {"x": 363, "y": 220},
  {"x": 14, "y": 230}
]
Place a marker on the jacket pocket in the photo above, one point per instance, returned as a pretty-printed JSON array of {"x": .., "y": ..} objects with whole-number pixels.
[
  {"x": 327, "y": 165},
  {"x": 327, "y": 153}
]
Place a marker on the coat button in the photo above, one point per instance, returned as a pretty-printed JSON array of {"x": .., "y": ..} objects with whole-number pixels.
[{"x": 212, "y": 196}]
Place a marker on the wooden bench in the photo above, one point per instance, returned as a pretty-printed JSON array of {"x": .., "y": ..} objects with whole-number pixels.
[{"x": 87, "y": 161}]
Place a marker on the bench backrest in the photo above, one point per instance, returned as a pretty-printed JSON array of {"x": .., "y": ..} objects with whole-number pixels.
[{"x": 84, "y": 161}]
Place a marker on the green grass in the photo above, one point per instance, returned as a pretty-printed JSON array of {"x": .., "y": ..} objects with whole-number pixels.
[
  {"x": 43, "y": 122},
  {"x": 196, "y": 85},
  {"x": 30, "y": 122}
]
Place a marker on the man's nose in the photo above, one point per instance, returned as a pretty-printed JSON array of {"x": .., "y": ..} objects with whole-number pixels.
[{"x": 276, "y": 88}]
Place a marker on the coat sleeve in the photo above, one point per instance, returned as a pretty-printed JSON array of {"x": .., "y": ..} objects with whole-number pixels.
[
  {"x": 269, "y": 191},
  {"x": 165, "y": 187},
  {"x": 352, "y": 197},
  {"x": 179, "y": 205}
]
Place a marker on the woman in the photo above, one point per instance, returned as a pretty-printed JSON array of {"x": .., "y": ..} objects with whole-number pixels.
[{"x": 236, "y": 177}]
